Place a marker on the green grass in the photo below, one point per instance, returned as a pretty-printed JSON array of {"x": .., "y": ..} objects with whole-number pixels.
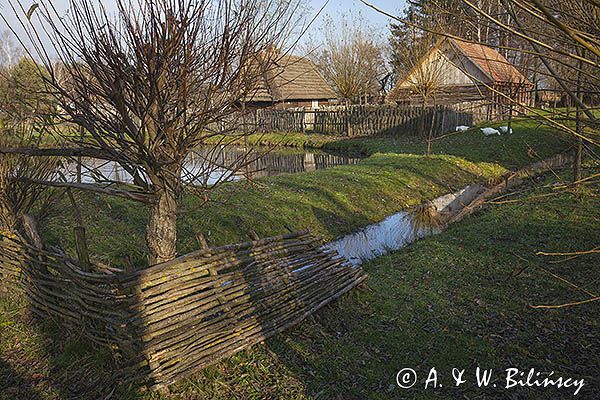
[
  {"x": 446, "y": 301},
  {"x": 289, "y": 139},
  {"x": 455, "y": 300},
  {"x": 39, "y": 360},
  {"x": 530, "y": 139},
  {"x": 470, "y": 145},
  {"x": 330, "y": 202}
]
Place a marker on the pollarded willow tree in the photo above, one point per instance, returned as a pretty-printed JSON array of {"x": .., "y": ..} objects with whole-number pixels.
[{"x": 149, "y": 83}]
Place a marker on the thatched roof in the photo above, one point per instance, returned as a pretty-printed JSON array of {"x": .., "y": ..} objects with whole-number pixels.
[{"x": 292, "y": 78}]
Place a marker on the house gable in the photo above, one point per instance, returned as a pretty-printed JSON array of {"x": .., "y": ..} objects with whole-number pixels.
[
  {"x": 448, "y": 67},
  {"x": 471, "y": 73},
  {"x": 461, "y": 71}
]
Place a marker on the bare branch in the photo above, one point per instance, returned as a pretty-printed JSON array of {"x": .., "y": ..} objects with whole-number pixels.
[
  {"x": 59, "y": 152},
  {"x": 146, "y": 198},
  {"x": 577, "y": 303}
]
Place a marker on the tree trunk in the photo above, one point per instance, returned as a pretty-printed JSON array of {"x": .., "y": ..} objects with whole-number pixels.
[
  {"x": 577, "y": 174},
  {"x": 430, "y": 135},
  {"x": 161, "y": 235}
]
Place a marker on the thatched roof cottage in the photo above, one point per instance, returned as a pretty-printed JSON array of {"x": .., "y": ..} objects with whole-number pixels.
[{"x": 292, "y": 82}]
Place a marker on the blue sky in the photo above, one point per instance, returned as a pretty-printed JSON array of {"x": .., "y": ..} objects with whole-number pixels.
[
  {"x": 378, "y": 21},
  {"x": 334, "y": 9}
]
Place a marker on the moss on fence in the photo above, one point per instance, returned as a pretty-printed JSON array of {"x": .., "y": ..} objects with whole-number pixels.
[{"x": 166, "y": 321}]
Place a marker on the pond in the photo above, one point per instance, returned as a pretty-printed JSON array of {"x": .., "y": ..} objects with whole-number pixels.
[{"x": 208, "y": 166}]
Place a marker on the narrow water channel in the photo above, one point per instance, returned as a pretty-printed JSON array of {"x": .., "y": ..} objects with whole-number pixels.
[{"x": 396, "y": 231}]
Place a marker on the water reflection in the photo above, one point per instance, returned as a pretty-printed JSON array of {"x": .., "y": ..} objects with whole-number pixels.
[
  {"x": 395, "y": 231},
  {"x": 209, "y": 166}
]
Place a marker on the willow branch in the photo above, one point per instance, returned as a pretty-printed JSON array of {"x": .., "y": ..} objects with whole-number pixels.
[
  {"x": 59, "y": 152},
  {"x": 130, "y": 195},
  {"x": 575, "y": 253},
  {"x": 577, "y": 303}
]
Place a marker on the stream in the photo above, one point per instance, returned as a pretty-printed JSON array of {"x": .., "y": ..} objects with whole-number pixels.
[{"x": 395, "y": 231}]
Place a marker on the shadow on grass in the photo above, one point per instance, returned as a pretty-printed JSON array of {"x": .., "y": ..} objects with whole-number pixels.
[
  {"x": 452, "y": 302},
  {"x": 16, "y": 385},
  {"x": 38, "y": 362},
  {"x": 449, "y": 301}
]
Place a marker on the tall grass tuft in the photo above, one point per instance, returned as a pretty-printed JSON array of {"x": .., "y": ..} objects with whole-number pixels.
[{"x": 425, "y": 219}]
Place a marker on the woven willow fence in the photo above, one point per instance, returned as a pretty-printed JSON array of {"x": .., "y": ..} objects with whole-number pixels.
[{"x": 173, "y": 318}]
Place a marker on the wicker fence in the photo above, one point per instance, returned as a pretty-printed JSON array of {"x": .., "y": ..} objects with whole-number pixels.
[
  {"x": 366, "y": 120},
  {"x": 173, "y": 318}
]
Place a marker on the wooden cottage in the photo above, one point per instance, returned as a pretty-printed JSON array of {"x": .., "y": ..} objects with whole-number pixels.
[
  {"x": 292, "y": 82},
  {"x": 465, "y": 73}
]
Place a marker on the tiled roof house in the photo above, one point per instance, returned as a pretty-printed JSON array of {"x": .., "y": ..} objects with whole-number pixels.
[{"x": 466, "y": 72}]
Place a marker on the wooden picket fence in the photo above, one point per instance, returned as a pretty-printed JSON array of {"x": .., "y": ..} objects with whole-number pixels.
[
  {"x": 365, "y": 120},
  {"x": 173, "y": 318}
]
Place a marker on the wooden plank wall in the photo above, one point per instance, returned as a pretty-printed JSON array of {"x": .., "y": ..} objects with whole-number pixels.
[{"x": 364, "y": 120}]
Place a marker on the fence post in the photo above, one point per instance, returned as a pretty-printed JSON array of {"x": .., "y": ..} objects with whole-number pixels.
[
  {"x": 354, "y": 120},
  {"x": 80, "y": 239},
  {"x": 82, "y": 250},
  {"x": 348, "y": 115}
]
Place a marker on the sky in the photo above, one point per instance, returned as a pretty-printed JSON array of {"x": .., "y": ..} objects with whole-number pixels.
[{"x": 334, "y": 9}]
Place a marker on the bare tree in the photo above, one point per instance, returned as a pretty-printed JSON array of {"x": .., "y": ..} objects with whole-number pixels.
[
  {"x": 151, "y": 83},
  {"x": 351, "y": 58},
  {"x": 10, "y": 51},
  {"x": 421, "y": 71},
  {"x": 548, "y": 31},
  {"x": 18, "y": 192},
  {"x": 564, "y": 36}
]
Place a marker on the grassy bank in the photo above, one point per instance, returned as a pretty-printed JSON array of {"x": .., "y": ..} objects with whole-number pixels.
[
  {"x": 529, "y": 140},
  {"x": 330, "y": 202},
  {"x": 289, "y": 139},
  {"x": 467, "y": 144},
  {"x": 415, "y": 303},
  {"x": 457, "y": 300}
]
